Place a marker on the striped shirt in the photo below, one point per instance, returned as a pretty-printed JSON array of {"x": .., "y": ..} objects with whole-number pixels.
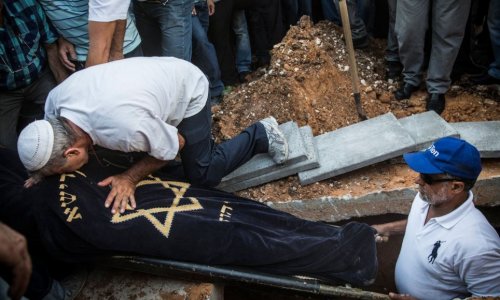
[
  {"x": 70, "y": 17},
  {"x": 22, "y": 35}
]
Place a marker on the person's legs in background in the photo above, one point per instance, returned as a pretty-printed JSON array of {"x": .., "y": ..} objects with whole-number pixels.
[
  {"x": 393, "y": 65},
  {"x": 494, "y": 26},
  {"x": 148, "y": 28},
  {"x": 204, "y": 56},
  {"x": 366, "y": 11},
  {"x": 265, "y": 24},
  {"x": 412, "y": 19},
  {"x": 220, "y": 34},
  {"x": 243, "y": 47},
  {"x": 171, "y": 22},
  {"x": 330, "y": 12},
  {"x": 290, "y": 12},
  {"x": 359, "y": 32},
  {"x": 492, "y": 76},
  {"x": 10, "y": 106},
  {"x": 448, "y": 29},
  {"x": 20, "y": 107}
]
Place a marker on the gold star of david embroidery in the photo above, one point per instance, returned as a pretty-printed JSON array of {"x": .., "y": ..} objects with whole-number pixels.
[{"x": 179, "y": 189}]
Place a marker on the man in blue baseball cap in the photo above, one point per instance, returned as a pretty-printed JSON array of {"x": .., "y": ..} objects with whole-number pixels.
[{"x": 449, "y": 249}]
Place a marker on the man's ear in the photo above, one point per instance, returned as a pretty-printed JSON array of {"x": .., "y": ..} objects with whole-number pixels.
[
  {"x": 458, "y": 186},
  {"x": 71, "y": 151}
]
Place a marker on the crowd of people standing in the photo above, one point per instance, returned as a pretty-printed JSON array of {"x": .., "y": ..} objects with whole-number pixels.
[{"x": 45, "y": 42}]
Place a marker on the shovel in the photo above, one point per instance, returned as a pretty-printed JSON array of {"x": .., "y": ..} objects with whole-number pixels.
[{"x": 352, "y": 59}]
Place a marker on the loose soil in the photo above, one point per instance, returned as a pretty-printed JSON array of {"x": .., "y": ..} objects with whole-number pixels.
[{"x": 308, "y": 81}]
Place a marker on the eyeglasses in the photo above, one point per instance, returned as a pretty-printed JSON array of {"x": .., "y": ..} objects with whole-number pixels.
[{"x": 427, "y": 178}]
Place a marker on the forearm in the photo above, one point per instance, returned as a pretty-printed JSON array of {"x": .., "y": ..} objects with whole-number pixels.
[
  {"x": 100, "y": 40},
  {"x": 143, "y": 168},
  {"x": 393, "y": 228},
  {"x": 116, "y": 51},
  {"x": 55, "y": 65}
]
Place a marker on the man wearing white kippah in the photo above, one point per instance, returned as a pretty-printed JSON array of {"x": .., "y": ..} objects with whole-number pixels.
[{"x": 156, "y": 105}]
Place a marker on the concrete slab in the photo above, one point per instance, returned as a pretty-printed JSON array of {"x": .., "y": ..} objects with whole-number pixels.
[
  {"x": 281, "y": 171},
  {"x": 397, "y": 201},
  {"x": 427, "y": 127},
  {"x": 357, "y": 146},
  {"x": 261, "y": 164},
  {"x": 108, "y": 283},
  {"x": 484, "y": 135}
]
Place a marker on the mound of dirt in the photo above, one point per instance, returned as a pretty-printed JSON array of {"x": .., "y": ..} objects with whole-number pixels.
[{"x": 308, "y": 81}]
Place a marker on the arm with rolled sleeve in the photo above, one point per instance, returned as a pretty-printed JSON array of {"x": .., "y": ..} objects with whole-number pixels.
[{"x": 107, "y": 22}]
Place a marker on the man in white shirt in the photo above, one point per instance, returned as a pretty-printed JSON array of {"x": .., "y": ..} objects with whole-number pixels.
[
  {"x": 449, "y": 248},
  {"x": 156, "y": 105}
]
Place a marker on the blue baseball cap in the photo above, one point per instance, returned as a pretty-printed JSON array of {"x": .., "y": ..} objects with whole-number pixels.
[{"x": 448, "y": 155}]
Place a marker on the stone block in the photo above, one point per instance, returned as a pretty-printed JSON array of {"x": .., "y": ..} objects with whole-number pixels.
[
  {"x": 281, "y": 171},
  {"x": 359, "y": 145},
  {"x": 484, "y": 135},
  {"x": 427, "y": 127},
  {"x": 262, "y": 164}
]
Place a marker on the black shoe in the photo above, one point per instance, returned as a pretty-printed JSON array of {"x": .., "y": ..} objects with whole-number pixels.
[
  {"x": 484, "y": 79},
  {"x": 361, "y": 43},
  {"x": 243, "y": 76},
  {"x": 405, "y": 91},
  {"x": 435, "y": 102},
  {"x": 393, "y": 70}
]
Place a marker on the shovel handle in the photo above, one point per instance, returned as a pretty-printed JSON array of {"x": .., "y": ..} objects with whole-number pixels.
[{"x": 350, "y": 48}]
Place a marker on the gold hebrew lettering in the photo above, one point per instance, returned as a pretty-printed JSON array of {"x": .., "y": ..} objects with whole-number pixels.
[
  {"x": 62, "y": 178},
  {"x": 73, "y": 214},
  {"x": 66, "y": 198}
]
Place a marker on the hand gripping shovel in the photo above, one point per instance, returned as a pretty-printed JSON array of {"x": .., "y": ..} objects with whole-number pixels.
[{"x": 352, "y": 59}]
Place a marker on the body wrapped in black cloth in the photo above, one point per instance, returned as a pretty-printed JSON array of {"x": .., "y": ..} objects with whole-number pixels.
[{"x": 177, "y": 221}]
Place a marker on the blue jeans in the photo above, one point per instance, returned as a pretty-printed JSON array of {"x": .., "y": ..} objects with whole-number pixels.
[
  {"x": 360, "y": 12},
  {"x": 165, "y": 30},
  {"x": 243, "y": 49},
  {"x": 494, "y": 27},
  {"x": 330, "y": 12},
  {"x": 204, "y": 56}
]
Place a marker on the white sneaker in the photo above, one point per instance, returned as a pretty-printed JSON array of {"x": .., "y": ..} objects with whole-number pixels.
[{"x": 278, "y": 146}]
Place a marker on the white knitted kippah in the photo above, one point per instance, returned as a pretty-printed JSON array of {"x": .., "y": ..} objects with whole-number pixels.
[{"x": 35, "y": 144}]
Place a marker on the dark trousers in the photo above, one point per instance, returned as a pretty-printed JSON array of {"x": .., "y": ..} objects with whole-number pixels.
[
  {"x": 204, "y": 162},
  {"x": 221, "y": 35},
  {"x": 266, "y": 29},
  {"x": 21, "y": 106},
  {"x": 204, "y": 55}
]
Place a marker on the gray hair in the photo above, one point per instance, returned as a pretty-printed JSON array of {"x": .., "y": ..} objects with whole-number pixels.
[{"x": 64, "y": 137}]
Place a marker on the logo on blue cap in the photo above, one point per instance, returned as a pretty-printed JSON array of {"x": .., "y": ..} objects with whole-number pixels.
[{"x": 448, "y": 155}]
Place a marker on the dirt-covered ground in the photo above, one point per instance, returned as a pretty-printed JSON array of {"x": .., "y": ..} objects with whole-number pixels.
[{"x": 308, "y": 81}]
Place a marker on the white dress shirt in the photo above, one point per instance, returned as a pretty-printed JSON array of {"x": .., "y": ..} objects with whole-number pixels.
[{"x": 132, "y": 104}]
